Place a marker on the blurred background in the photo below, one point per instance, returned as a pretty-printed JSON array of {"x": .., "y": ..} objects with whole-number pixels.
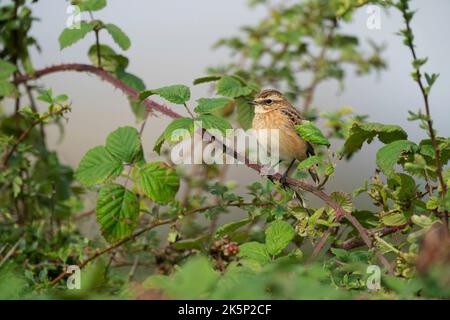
[{"x": 176, "y": 48}]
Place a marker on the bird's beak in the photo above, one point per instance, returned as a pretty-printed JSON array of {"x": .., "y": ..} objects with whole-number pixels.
[{"x": 252, "y": 102}]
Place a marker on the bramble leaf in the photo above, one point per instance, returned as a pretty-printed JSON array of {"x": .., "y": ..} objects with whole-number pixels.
[
  {"x": 71, "y": 36},
  {"x": 309, "y": 162},
  {"x": 98, "y": 166},
  {"x": 124, "y": 144},
  {"x": 231, "y": 87},
  {"x": 158, "y": 181},
  {"x": 91, "y": 5},
  {"x": 366, "y": 132},
  {"x": 394, "y": 220},
  {"x": 245, "y": 114},
  {"x": 343, "y": 199},
  {"x": 254, "y": 251},
  {"x": 213, "y": 122},
  {"x": 117, "y": 212},
  {"x": 6, "y": 69},
  {"x": 388, "y": 155},
  {"x": 119, "y": 37},
  {"x": 311, "y": 133},
  {"x": 206, "y": 79},
  {"x": 179, "y": 129},
  {"x": 6, "y": 88},
  {"x": 211, "y": 105},
  {"x": 178, "y": 93},
  {"x": 278, "y": 235},
  {"x": 231, "y": 227}
]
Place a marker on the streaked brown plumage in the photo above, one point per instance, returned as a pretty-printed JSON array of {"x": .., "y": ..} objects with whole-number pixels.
[{"x": 274, "y": 111}]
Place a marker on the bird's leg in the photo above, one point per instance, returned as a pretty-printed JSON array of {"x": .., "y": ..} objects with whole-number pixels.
[
  {"x": 285, "y": 174},
  {"x": 270, "y": 176}
]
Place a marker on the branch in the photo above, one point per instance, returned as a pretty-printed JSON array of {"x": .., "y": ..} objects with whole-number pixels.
[
  {"x": 104, "y": 75},
  {"x": 8, "y": 153},
  {"x": 152, "y": 105},
  {"x": 356, "y": 242},
  {"x": 425, "y": 94}
]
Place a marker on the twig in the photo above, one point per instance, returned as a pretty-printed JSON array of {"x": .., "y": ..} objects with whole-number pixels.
[
  {"x": 418, "y": 78},
  {"x": 188, "y": 110},
  {"x": 97, "y": 40},
  {"x": 133, "y": 268},
  {"x": 11, "y": 251},
  {"x": 35, "y": 109},
  {"x": 84, "y": 214}
]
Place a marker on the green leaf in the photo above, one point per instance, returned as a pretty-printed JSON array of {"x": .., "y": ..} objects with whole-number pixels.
[
  {"x": 228, "y": 228},
  {"x": 179, "y": 129},
  {"x": 193, "y": 280},
  {"x": 362, "y": 132},
  {"x": 394, "y": 220},
  {"x": 98, "y": 166},
  {"x": 178, "y": 93},
  {"x": 92, "y": 5},
  {"x": 431, "y": 79},
  {"x": 311, "y": 133},
  {"x": 46, "y": 96},
  {"x": 70, "y": 36},
  {"x": 6, "y": 69},
  {"x": 388, "y": 155},
  {"x": 278, "y": 235},
  {"x": 158, "y": 144},
  {"x": 130, "y": 80},
  {"x": 245, "y": 114},
  {"x": 118, "y": 36},
  {"x": 124, "y": 144},
  {"x": 403, "y": 185},
  {"x": 309, "y": 162},
  {"x": 117, "y": 212},
  {"x": 343, "y": 199},
  {"x": 6, "y": 88},
  {"x": 232, "y": 87},
  {"x": 438, "y": 203},
  {"x": 159, "y": 182},
  {"x": 206, "y": 79},
  {"x": 211, "y": 105},
  {"x": 254, "y": 251},
  {"x": 111, "y": 61},
  {"x": 341, "y": 254},
  {"x": 197, "y": 243},
  {"x": 138, "y": 109},
  {"x": 213, "y": 122}
]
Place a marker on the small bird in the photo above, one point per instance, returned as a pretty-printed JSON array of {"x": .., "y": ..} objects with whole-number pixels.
[{"x": 274, "y": 111}]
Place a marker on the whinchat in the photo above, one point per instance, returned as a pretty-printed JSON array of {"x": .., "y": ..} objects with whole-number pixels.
[{"x": 274, "y": 111}]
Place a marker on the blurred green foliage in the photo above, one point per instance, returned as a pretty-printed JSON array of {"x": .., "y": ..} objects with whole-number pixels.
[{"x": 203, "y": 253}]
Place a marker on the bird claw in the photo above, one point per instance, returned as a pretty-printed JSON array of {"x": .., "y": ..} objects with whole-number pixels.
[{"x": 283, "y": 181}]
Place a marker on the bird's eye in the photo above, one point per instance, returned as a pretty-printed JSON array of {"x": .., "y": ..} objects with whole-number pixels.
[{"x": 268, "y": 101}]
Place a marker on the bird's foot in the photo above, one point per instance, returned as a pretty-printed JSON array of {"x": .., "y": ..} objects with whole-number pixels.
[{"x": 283, "y": 180}]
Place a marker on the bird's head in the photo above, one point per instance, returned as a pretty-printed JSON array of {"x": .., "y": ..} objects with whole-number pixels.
[{"x": 269, "y": 100}]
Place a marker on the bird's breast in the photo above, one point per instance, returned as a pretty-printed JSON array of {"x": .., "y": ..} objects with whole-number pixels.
[{"x": 287, "y": 140}]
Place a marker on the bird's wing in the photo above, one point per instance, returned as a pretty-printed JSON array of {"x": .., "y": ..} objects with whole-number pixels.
[{"x": 293, "y": 115}]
